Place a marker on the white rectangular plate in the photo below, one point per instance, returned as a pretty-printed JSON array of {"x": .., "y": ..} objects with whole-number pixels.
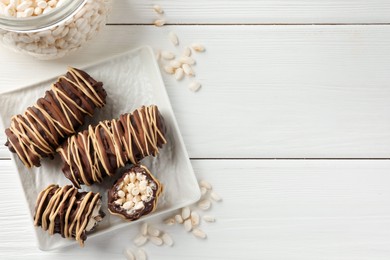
[{"x": 131, "y": 80}]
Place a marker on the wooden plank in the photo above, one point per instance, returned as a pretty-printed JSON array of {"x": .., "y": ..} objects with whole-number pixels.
[
  {"x": 268, "y": 92},
  {"x": 271, "y": 209},
  {"x": 253, "y": 11}
]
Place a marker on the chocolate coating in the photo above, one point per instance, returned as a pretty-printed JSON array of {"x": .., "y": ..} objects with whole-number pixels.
[{"x": 37, "y": 132}]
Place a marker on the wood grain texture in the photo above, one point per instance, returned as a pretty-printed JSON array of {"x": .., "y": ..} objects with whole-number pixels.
[
  {"x": 271, "y": 209},
  {"x": 253, "y": 11},
  {"x": 268, "y": 91}
]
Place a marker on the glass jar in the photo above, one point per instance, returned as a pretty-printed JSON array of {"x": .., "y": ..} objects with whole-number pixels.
[{"x": 64, "y": 29}]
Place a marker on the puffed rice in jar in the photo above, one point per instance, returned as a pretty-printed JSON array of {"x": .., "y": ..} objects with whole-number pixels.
[{"x": 50, "y": 29}]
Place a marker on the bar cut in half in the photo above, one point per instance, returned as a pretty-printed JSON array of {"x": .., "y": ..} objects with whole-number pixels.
[{"x": 135, "y": 194}]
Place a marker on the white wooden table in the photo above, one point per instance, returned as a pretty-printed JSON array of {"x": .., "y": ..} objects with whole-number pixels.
[{"x": 292, "y": 127}]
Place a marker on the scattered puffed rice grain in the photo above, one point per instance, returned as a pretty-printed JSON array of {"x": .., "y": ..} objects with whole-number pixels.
[
  {"x": 199, "y": 233},
  {"x": 194, "y": 86},
  {"x": 52, "y": 3},
  {"x": 167, "y": 55},
  {"x": 198, "y": 47},
  {"x": 179, "y": 219},
  {"x": 47, "y": 9},
  {"x": 37, "y": 11},
  {"x": 175, "y": 63},
  {"x": 187, "y": 52},
  {"x": 188, "y": 70},
  {"x": 28, "y": 12},
  {"x": 158, "y": 9},
  {"x": 159, "y": 22},
  {"x": 154, "y": 232},
  {"x": 156, "y": 240},
  {"x": 42, "y": 4},
  {"x": 187, "y": 60},
  {"x": 185, "y": 212},
  {"x": 169, "y": 221},
  {"x": 141, "y": 254},
  {"x": 204, "y": 204},
  {"x": 167, "y": 239},
  {"x": 179, "y": 74},
  {"x": 209, "y": 218},
  {"x": 23, "y": 6},
  {"x": 173, "y": 38},
  {"x": 203, "y": 191},
  {"x": 188, "y": 225},
  {"x": 121, "y": 194},
  {"x": 195, "y": 219},
  {"x": 129, "y": 255},
  {"x": 9, "y": 10},
  {"x": 215, "y": 196},
  {"x": 140, "y": 240},
  {"x": 205, "y": 184},
  {"x": 169, "y": 69},
  {"x": 144, "y": 229}
]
